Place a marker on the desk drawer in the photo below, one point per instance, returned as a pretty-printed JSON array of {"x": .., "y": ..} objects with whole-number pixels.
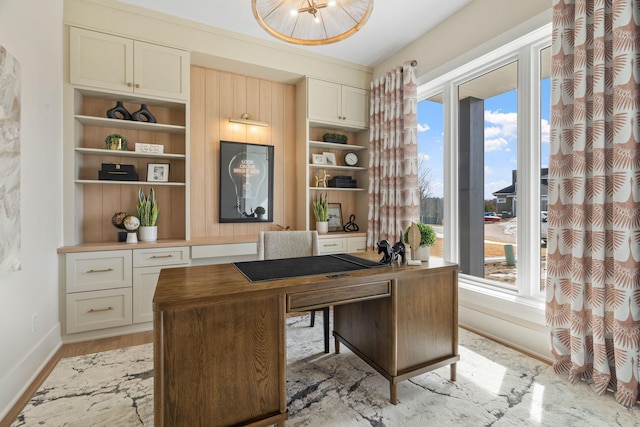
[
  {"x": 87, "y": 311},
  {"x": 335, "y": 245},
  {"x": 92, "y": 271},
  {"x": 154, "y": 257},
  {"x": 304, "y": 301}
]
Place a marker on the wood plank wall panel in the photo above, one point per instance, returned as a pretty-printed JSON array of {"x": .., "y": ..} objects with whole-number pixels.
[
  {"x": 101, "y": 201},
  {"x": 215, "y": 97}
]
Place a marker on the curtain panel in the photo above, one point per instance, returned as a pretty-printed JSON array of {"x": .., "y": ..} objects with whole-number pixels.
[
  {"x": 394, "y": 200},
  {"x": 593, "y": 253}
]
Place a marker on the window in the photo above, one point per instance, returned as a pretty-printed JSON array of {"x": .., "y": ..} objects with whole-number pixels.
[
  {"x": 495, "y": 131},
  {"x": 431, "y": 167}
]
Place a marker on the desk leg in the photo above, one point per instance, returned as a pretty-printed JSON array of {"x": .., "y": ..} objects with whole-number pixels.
[
  {"x": 326, "y": 315},
  {"x": 453, "y": 371},
  {"x": 337, "y": 344},
  {"x": 393, "y": 393}
]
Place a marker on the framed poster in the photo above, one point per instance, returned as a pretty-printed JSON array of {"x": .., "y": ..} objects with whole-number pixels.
[{"x": 246, "y": 182}]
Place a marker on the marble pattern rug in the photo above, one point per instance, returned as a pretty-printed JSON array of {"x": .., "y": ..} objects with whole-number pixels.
[{"x": 495, "y": 386}]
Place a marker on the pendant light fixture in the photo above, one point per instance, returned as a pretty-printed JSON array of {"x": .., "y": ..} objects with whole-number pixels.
[{"x": 311, "y": 22}]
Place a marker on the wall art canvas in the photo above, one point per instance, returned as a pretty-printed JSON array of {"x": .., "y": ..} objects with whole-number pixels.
[{"x": 9, "y": 163}]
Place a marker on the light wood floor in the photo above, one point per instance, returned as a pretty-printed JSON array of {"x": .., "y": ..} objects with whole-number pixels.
[{"x": 70, "y": 350}]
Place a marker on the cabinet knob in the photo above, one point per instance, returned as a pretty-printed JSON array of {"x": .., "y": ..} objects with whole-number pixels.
[
  {"x": 137, "y": 85},
  {"x": 129, "y": 84}
]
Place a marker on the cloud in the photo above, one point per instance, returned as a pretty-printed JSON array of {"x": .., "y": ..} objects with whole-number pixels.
[
  {"x": 488, "y": 170},
  {"x": 424, "y": 156},
  {"x": 423, "y": 127},
  {"x": 507, "y": 122},
  {"x": 545, "y": 130},
  {"x": 495, "y": 144}
]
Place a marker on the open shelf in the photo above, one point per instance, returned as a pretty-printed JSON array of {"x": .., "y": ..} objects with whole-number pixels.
[
  {"x": 119, "y": 153},
  {"x": 336, "y": 189},
  {"x": 335, "y": 146},
  {"x": 128, "y": 124},
  {"x": 108, "y": 182},
  {"x": 343, "y": 168}
]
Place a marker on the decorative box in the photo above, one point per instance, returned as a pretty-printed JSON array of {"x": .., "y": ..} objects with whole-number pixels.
[
  {"x": 117, "y": 172},
  {"x": 341, "y": 181}
]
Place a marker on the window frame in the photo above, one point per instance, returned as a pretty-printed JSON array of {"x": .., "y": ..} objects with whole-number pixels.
[{"x": 526, "y": 51}]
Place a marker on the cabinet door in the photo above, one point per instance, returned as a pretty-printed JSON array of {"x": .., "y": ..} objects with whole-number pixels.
[
  {"x": 145, "y": 280},
  {"x": 355, "y": 107},
  {"x": 160, "y": 71},
  {"x": 100, "y": 60},
  {"x": 324, "y": 101}
]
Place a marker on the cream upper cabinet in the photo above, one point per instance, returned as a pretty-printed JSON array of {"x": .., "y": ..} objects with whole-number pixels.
[
  {"x": 119, "y": 64},
  {"x": 338, "y": 104}
]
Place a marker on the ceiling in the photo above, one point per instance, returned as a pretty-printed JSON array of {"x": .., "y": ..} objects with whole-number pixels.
[{"x": 388, "y": 29}]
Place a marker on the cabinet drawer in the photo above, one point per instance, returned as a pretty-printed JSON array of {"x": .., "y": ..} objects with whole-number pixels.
[
  {"x": 332, "y": 246},
  {"x": 87, "y": 311},
  {"x": 304, "y": 301},
  {"x": 356, "y": 244},
  {"x": 91, "y": 271},
  {"x": 160, "y": 256}
]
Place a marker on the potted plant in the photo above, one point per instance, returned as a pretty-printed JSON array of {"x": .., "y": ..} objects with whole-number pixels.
[
  {"x": 116, "y": 141},
  {"x": 427, "y": 239},
  {"x": 321, "y": 213},
  {"x": 260, "y": 211},
  {"x": 148, "y": 214},
  {"x": 335, "y": 137}
]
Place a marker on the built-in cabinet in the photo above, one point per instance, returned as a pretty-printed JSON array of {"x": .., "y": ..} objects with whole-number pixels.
[
  {"x": 129, "y": 66},
  {"x": 338, "y": 104},
  {"x": 328, "y": 107},
  {"x": 107, "y": 289},
  {"x": 105, "y": 69}
]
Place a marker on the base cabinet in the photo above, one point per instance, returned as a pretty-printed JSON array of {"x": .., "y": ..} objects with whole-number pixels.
[{"x": 107, "y": 289}]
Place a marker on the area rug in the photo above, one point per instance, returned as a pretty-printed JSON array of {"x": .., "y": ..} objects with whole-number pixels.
[{"x": 495, "y": 386}]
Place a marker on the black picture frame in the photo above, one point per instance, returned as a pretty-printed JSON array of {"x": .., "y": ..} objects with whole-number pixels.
[
  {"x": 246, "y": 182},
  {"x": 335, "y": 217}
]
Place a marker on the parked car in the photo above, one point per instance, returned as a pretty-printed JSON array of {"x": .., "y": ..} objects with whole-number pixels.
[{"x": 491, "y": 217}]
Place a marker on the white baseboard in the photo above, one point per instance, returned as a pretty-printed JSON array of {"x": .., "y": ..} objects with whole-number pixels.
[{"x": 16, "y": 382}]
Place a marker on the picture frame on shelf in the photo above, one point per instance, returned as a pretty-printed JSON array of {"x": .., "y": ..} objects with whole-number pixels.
[
  {"x": 157, "y": 172},
  {"x": 335, "y": 217},
  {"x": 318, "y": 159},
  {"x": 330, "y": 159}
]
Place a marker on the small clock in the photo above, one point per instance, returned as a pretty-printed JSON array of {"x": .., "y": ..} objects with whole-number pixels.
[{"x": 351, "y": 158}]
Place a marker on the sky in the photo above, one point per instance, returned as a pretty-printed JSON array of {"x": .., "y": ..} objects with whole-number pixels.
[{"x": 500, "y": 140}]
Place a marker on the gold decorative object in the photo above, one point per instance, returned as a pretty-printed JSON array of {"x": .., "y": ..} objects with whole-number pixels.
[
  {"x": 322, "y": 182},
  {"x": 311, "y": 22}
]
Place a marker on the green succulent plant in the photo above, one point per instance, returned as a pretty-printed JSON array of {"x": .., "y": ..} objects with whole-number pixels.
[
  {"x": 147, "y": 208},
  {"x": 260, "y": 210},
  {"x": 321, "y": 208}
]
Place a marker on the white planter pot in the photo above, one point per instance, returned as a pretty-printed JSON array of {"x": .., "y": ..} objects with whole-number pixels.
[
  {"x": 422, "y": 253},
  {"x": 322, "y": 227},
  {"x": 148, "y": 234}
]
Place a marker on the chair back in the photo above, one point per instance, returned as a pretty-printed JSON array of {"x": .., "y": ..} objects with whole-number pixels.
[{"x": 287, "y": 244}]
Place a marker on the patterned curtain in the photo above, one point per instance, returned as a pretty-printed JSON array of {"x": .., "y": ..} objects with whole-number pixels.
[
  {"x": 593, "y": 258},
  {"x": 393, "y": 155}
]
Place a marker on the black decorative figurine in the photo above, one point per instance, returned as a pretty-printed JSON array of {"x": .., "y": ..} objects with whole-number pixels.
[
  {"x": 143, "y": 115},
  {"x": 118, "y": 112},
  {"x": 390, "y": 253}
]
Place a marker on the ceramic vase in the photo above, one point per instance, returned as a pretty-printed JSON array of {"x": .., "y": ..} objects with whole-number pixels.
[
  {"x": 143, "y": 115},
  {"x": 322, "y": 227},
  {"x": 422, "y": 253},
  {"x": 118, "y": 112},
  {"x": 148, "y": 233}
]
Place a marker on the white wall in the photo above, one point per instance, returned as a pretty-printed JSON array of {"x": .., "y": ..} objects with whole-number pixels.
[{"x": 31, "y": 30}]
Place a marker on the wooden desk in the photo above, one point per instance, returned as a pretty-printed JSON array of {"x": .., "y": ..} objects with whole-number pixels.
[{"x": 220, "y": 346}]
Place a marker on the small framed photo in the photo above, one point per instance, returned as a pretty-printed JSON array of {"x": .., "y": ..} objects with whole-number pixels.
[
  {"x": 335, "y": 217},
  {"x": 318, "y": 159},
  {"x": 157, "y": 172},
  {"x": 330, "y": 159}
]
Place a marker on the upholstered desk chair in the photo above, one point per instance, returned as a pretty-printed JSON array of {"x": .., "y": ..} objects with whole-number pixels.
[{"x": 290, "y": 244}]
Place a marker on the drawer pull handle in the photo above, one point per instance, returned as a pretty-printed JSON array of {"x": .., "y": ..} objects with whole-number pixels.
[
  {"x": 97, "y": 310},
  {"x": 331, "y": 245},
  {"x": 104, "y": 270},
  {"x": 161, "y": 256}
]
